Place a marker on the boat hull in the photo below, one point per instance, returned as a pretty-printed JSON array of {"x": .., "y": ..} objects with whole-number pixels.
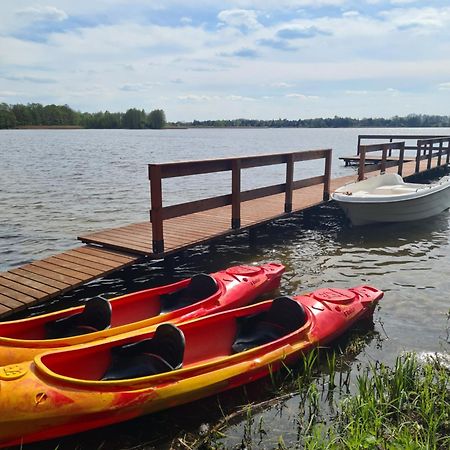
[
  {"x": 393, "y": 203},
  {"x": 59, "y": 393},
  {"x": 21, "y": 340}
]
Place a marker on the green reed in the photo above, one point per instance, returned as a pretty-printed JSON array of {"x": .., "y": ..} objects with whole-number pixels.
[{"x": 406, "y": 407}]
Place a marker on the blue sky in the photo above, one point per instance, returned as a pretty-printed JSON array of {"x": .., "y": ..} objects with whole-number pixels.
[{"x": 206, "y": 59}]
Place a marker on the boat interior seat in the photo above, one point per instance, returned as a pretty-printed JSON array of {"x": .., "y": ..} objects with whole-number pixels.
[
  {"x": 284, "y": 316},
  {"x": 163, "y": 352},
  {"x": 200, "y": 287},
  {"x": 395, "y": 189},
  {"x": 96, "y": 316}
]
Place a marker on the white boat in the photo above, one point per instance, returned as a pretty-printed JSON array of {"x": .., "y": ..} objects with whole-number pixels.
[{"x": 387, "y": 198}]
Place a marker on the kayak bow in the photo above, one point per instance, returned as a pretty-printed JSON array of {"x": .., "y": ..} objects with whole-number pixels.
[
  {"x": 21, "y": 340},
  {"x": 97, "y": 384}
]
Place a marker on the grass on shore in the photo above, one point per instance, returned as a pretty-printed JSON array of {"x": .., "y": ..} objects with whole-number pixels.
[{"x": 404, "y": 407}]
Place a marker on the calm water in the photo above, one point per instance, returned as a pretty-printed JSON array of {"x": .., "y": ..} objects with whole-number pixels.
[{"x": 56, "y": 185}]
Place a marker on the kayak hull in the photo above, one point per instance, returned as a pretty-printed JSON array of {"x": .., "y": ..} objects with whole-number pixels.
[
  {"x": 59, "y": 393},
  {"x": 21, "y": 340}
]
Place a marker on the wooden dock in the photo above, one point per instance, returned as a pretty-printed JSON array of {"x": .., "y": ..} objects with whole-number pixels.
[
  {"x": 178, "y": 227},
  {"x": 50, "y": 277}
]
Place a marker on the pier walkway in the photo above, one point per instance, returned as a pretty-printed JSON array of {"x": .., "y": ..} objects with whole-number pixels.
[{"x": 173, "y": 229}]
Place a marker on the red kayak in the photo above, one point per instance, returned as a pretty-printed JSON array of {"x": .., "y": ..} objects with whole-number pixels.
[
  {"x": 92, "y": 385},
  {"x": 21, "y": 340}
]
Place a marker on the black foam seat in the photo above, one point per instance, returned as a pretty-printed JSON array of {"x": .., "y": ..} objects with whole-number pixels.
[
  {"x": 96, "y": 316},
  {"x": 163, "y": 352},
  {"x": 199, "y": 288},
  {"x": 284, "y": 316}
]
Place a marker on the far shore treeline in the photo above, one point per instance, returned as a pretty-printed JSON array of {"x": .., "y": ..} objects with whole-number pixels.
[
  {"x": 37, "y": 115},
  {"x": 409, "y": 121},
  {"x": 54, "y": 116}
]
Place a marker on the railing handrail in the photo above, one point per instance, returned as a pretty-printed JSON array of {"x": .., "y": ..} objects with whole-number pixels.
[
  {"x": 159, "y": 171},
  {"x": 400, "y": 136},
  {"x": 435, "y": 140},
  {"x": 379, "y": 147},
  {"x": 203, "y": 166}
]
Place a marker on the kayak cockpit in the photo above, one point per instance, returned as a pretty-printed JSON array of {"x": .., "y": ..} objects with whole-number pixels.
[
  {"x": 187, "y": 346},
  {"x": 200, "y": 288},
  {"x": 95, "y": 316},
  {"x": 99, "y": 314}
]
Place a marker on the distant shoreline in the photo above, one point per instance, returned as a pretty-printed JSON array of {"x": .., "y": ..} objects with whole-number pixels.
[{"x": 48, "y": 127}]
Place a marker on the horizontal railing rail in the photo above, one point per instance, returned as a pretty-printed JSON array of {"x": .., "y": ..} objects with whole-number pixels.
[{"x": 157, "y": 172}]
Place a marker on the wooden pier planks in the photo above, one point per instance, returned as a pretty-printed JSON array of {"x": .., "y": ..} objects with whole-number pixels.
[{"x": 41, "y": 280}]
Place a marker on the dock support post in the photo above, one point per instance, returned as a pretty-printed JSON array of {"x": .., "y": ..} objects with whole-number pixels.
[
  {"x": 236, "y": 194},
  {"x": 430, "y": 155},
  {"x": 154, "y": 173},
  {"x": 383, "y": 158},
  {"x": 401, "y": 158},
  {"x": 440, "y": 154},
  {"x": 418, "y": 156},
  {"x": 362, "y": 163},
  {"x": 289, "y": 183},
  {"x": 447, "y": 160},
  {"x": 327, "y": 176}
]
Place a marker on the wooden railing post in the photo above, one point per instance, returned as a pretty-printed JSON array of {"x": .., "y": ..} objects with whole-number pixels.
[
  {"x": 401, "y": 158},
  {"x": 327, "y": 176},
  {"x": 236, "y": 193},
  {"x": 418, "y": 155},
  {"x": 430, "y": 155},
  {"x": 289, "y": 183},
  {"x": 362, "y": 163},
  {"x": 448, "y": 153},
  {"x": 359, "y": 144},
  {"x": 440, "y": 154},
  {"x": 154, "y": 173},
  {"x": 383, "y": 158}
]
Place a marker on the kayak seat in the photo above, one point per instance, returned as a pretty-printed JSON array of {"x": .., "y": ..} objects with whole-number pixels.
[
  {"x": 163, "y": 352},
  {"x": 200, "y": 287},
  {"x": 284, "y": 316},
  {"x": 96, "y": 316}
]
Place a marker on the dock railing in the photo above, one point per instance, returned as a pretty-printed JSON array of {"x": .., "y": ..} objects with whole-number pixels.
[
  {"x": 157, "y": 172},
  {"x": 398, "y": 137},
  {"x": 430, "y": 148},
  {"x": 386, "y": 150}
]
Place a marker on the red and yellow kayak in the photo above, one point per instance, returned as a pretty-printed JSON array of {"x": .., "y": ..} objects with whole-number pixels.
[
  {"x": 21, "y": 340},
  {"x": 92, "y": 385}
]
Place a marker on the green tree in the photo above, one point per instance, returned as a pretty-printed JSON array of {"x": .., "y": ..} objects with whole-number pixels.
[
  {"x": 7, "y": 117},
  {"x": 156, "y": 119}
]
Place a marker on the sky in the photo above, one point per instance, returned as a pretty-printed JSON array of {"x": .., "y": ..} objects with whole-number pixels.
[{"x": 229, "y": 59}]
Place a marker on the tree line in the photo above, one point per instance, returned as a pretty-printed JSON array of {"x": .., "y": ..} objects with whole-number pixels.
[
  {"x": 35, "y": 114},
  {"x": 411, "y": 121}
]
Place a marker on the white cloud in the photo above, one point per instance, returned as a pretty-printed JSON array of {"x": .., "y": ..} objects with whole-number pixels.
[
  {"x": 281, "y": 84},
  {"x": 444, "y": 86},
  {"x": 42, "y": 13},
  {"x": 302, "y": 96},
  {"x": 240, "y": 18}
]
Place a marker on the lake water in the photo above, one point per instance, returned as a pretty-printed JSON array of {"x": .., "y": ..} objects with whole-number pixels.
[{"x": 56, "y": 185}]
